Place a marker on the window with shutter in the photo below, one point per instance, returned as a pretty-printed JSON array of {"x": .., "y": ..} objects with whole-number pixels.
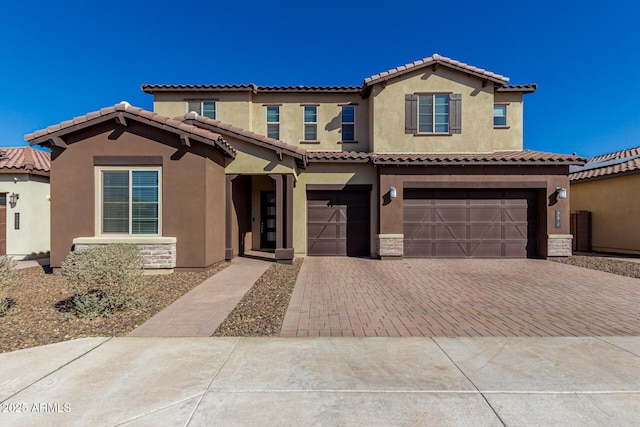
[{"x": 433, "y": 113}]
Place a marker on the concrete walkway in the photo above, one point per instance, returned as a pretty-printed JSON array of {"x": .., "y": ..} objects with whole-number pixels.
[
  {"x": 199, "y": 312},
  {"x": 324, "y": 381}
]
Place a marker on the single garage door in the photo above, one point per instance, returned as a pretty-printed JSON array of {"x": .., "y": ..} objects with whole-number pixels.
[
  {"x": 338, "y": 223},
  {"x": 470, "y": 223}
]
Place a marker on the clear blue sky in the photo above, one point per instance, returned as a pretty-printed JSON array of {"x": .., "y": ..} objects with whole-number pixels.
[{"x": 62, "y": 58}]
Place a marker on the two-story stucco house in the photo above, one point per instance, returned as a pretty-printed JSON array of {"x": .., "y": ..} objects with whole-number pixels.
[{"x": 424, "y": 160}]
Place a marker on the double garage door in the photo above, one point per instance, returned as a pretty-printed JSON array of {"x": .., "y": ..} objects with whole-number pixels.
[
  {"x": 338, "y": 222},
  {"x": 470, "y": 223}
]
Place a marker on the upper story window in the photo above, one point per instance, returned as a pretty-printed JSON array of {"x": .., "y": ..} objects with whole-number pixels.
[
  {"x": 348, "y": 123},
  {"x": 433, "y": 113},
  {"x": 310, "y": 123},
  {"x": 273, "y": 121},
  {"x": 499, "y": 115},
  {"x": 204, "y": 108},
  {"x": 129, "y": 201}
]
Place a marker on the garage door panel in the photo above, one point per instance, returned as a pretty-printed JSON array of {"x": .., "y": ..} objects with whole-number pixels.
[
  {"x": 338, "y": 223},
  {"x": 446, "y": 232},
  {"x": 470, "y": 223}
]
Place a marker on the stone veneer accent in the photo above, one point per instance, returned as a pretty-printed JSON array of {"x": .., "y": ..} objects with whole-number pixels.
[
  {"x": 559, "y": 245},
  {"x": 158, "y": 253},
  {"x": 390, "y": 245}
]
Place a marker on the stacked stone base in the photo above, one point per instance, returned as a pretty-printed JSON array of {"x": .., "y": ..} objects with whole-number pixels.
[
  {"x": 159, "y": 253},
  {"x": 390, "y": 246},
  {"x": 559, "y": 245}
]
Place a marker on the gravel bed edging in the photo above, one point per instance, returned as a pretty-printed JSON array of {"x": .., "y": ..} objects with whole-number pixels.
[
  {"x": 261, "y": 310},
  {"x": 606, "y": 264}
]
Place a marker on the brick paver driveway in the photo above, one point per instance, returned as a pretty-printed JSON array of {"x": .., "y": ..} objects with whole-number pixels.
[{"x": 427, "y": 297}]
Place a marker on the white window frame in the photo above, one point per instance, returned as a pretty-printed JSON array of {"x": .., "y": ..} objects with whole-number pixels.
[
  {"x": 506, "y": 117},
  {"x": 433, "y": 114},
  {"x": 201, "y": 108},
  {"x": 305, "y": 123},
  {"x": 99, "y": 173},
  {"x": 342, "y": 123},
  {"x": 268, "y": 123}
]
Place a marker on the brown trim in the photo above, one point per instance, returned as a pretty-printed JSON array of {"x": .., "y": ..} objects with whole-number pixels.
[
  {"x": 24, "y": 171},
  {"x": 502, "y": 127},
  {"x": 271, "y": 104},
  {"x": 502, "y": 103},
  {"x": 309, "y": 142},
  {"x": 476, "y": 184},
  {"x": 347, "y": 142},
  {"x": 228, "y": 236},
  {"x": 348, "y": 104},
  {"x": 339, "y": 187},
  {"x": 310, "y": 104},
  {"x": 127, "y": 160},
  {"x": 288, "y": 181}
]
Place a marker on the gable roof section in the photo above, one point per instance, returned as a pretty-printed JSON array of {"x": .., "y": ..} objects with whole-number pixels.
[
  {"x": 217, "y": 126},
  {"x": 121, "y": 113},
  {"x": 521, "y": 158},
  {"x": 433, "y": 60},
  {"x": 622, "y": 162},
  {"x": 25, "y": 160}
]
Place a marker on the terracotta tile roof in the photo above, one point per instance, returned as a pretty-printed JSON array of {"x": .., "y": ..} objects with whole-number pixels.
[
  {"x": 528, "y": 88},
  {"x": 125, "y": 110},
  {"x": 526, "y": 157},
  {"x": 338, "y": 156},
  {"x": 217, "y": 126},
  {"x": 25, "y": 159},
  {"x": 433, "y": 60},
  {"x": 617, "y": 163},
  {"x": 153, "y": 88}
]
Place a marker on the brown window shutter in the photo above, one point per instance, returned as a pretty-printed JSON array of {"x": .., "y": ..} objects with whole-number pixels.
[
  {"x": 455, "y": 113},
  {"x": 411, "y": 113}
]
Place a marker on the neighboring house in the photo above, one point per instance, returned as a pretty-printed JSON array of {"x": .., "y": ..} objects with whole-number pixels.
[
  {"x": 24, "y": 202},
  {"x": 608, "y": 186},
  {"x": 425, "y": 160}
]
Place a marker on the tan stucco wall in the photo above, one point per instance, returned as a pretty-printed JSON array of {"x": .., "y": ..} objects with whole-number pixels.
[
  {"x": 511, "y": 137},
  {"x": 615, "y": 208},
  {"x": 252, "y": 159},
  {"x": 232, "y": 108},
  {"x": 318, "y": 173},
  {"x": 477, "y": 114},
  {"x": 32, "y": 239}
]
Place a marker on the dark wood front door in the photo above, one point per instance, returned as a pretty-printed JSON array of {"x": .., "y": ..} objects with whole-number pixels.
[
  {"x": 268, "y": 220},
  {"x": 470, "y": 223}
]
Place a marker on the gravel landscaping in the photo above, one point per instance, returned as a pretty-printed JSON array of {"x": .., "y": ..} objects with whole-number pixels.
[
  {"x": 40, "y": 314},
  {"x": 603, "y": 263},
  {"x": 261, "y": 311}
]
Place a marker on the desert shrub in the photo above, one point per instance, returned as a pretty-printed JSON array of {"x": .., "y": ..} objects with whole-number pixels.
[
  {"x": 104, "y": 279},
  {"x": 8, "y": 276}
]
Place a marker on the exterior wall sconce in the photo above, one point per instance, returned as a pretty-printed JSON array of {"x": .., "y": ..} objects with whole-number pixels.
[
  {"x": 393, "y": 193},
  {"x": 561, "y": 192},
  {"x": 13, "y": 198}
]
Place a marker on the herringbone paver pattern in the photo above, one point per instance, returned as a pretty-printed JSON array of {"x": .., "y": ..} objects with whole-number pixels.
[{"x": 337, "y": 296}]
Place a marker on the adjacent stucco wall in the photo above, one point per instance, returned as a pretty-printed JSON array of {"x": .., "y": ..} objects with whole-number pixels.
[
  {"x": 231, "y": 107},
  {"x": 193, "y": 189},
  {"x": 321, "y": 173},
  {"x": 31, "y": 240},
  {"x": 252, "y": 159},
  {"x": 388, "y": 112},
  {"x": 510, "y": 137},
  {"x": 546, "y": 179},
  {"x": 615, "y": 208}
]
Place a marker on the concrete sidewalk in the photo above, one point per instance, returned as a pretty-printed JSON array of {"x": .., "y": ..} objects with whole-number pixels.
[
  {"x": 200, "y": 311},
  {"x": 324, "y": 381}
]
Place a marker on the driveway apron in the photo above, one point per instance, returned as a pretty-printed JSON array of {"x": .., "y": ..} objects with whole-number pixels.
[{"x": 339, "y": 296}]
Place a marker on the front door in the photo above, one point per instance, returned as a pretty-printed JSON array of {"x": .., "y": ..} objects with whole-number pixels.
[{"x": 267, "y": 220}]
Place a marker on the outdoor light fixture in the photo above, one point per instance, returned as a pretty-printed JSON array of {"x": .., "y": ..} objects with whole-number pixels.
[
  {"x": 13, "y": 198},
  {"x": 393, "y": 193},
  {"x": 562, "y": 192}
]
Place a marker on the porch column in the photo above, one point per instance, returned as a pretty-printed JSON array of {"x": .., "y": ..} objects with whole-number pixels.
[
  {"x": 288, "y": 217},
  {"x": 283, "y": 255},
  {"x": 228, "y": 251}
]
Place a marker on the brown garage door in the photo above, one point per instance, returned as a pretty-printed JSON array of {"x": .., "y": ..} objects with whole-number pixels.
[
  {"x": 338, "y": 223},
  {"x": 470, "y": 223}
]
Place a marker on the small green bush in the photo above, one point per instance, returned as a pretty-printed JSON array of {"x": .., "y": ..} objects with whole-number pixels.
[
  {"x": 8, "y": 276},
  {"x": 104, "y": 279}
]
